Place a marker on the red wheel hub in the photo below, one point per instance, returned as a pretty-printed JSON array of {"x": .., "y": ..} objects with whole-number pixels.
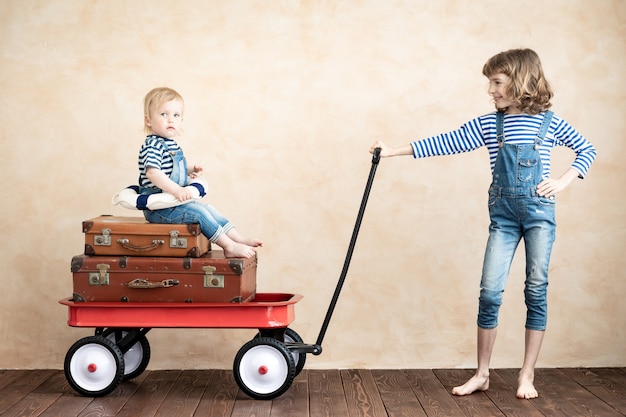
[
  {"x": 263, "y": 369},
  {"x": 92, "y": 367}
]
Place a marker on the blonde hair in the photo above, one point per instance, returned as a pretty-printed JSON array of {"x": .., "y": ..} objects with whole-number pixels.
[
  {"x": 155, "y": 98},
  {"x": 529, "y": 88}
]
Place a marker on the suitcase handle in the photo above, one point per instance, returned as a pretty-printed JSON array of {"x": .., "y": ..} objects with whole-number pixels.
[
  {"x": 127, "y": 245},
  {"x": 140, "y": 283}
]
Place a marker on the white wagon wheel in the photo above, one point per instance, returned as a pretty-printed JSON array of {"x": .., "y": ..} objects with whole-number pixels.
[
  {"x": 94, "y": 366},
  {"x": 136, "y": 359},
  {"x": 291, "y": 336},
  {"x": 264, "y": 368}
]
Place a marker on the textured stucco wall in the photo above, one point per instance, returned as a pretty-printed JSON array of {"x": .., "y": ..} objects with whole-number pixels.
[{"x": 283, "y": 99}]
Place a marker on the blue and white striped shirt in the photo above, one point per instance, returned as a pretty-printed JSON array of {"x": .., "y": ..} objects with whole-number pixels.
[
  {"x": 518, "y": 129},
  {"x": 153, "y": 154}
]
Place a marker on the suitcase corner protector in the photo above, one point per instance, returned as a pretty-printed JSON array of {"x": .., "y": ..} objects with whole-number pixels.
[
  {"x": 77, "y": 263},
  {"x": 77, "y": 298},
  {"x": 89, "y": 251},
  {"x": 236, "y": 265}
]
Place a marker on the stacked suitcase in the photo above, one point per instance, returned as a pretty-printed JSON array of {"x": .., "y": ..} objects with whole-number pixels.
[{"x": 128, "y": 259}]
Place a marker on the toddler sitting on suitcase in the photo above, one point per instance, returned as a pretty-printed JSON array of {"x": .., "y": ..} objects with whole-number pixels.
[{"x": 163, "y": 168}]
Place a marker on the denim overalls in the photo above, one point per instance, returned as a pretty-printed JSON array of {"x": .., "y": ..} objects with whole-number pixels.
[
  {"x": 516, "y": 212},
  {"x": 212, "y": 223}
]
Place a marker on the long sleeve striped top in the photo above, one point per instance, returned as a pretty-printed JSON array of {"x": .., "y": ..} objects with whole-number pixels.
[{"x": 518, "y": 129}]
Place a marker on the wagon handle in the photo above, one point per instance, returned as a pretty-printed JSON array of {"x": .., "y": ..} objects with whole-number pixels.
[
  {"x": 376, "y": 155},
  {"x": 346, "y": 264}
]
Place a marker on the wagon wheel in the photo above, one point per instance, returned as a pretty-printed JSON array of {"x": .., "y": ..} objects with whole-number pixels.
[
  {"x": 136, "y": 358},
  {"x": 264, "y": 368},
  {"x": 292, "y": 337},
  {"x": 299, "y": 358},
  {"x": 94, "y": 366}
]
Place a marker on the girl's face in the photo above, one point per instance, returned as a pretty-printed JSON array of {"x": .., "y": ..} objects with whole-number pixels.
[
  {"x": 166, "y": 120},
  {"x": 498, "y": 84}
]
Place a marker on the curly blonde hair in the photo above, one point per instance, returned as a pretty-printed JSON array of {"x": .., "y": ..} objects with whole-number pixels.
[
  {"x": 155, "y": 98},
  {"x": 529, "y": 88}
]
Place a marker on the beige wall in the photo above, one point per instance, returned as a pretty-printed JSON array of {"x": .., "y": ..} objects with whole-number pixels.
[{"x": 283, "y": 100}]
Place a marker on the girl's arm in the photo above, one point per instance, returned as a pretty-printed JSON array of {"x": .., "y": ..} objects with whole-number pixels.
[
  {"x": 585, "y": 155},
  {"x": 584, "y": 150},
  {"x": 386, "y": 151},
  {"x": 550, "y": 186},
  {"x": 161, "y": 180},
  {"x": 465, "y": 139}
]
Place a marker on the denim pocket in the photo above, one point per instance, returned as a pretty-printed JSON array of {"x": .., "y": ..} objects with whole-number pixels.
[
  {"x": 493, "y": 197},
  {"x": 546, "y": 201},
  {"x": 526, "y": 169}
]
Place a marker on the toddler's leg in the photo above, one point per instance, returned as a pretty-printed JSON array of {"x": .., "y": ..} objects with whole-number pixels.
[{"x": 222, "y": 232}]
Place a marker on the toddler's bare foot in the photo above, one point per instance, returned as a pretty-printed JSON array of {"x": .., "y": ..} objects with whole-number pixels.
[
  {"x": 526, "y": 388},
  {"x": 238, "y": 250},
  {"x": 475, "y": 383},
  {"x": 254, "y": 243}
]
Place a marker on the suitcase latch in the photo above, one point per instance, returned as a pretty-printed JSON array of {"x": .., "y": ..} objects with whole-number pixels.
[
  {"x": 104, "y": 239},
  {"x": 177, "y": 242},
  {"x": 210, "y": 280},
  {"x": 101, "y": 277}
]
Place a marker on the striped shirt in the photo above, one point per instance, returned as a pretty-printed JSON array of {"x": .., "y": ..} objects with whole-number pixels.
[
  {"x": 519, "y": 129},
  {"x": 153, "y": 154}
]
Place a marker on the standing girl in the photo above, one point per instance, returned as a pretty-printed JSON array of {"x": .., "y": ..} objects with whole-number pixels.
[
  {"x": 163, "y": 168},
  {"x": 519, "y": 136}
]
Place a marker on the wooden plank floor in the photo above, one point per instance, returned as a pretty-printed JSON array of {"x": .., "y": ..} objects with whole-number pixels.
[{"x": 597, "y": 392}]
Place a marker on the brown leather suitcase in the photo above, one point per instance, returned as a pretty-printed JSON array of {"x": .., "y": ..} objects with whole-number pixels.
[
  {"x": 209, "y": 278},
  {"x": 135, "y": 236}
]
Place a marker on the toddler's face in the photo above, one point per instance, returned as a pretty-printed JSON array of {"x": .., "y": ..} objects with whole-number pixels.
[{"x": 166, "y": 119}]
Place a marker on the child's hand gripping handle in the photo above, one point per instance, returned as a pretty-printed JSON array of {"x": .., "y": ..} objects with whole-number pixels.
[{"x": 376, "y": 156}]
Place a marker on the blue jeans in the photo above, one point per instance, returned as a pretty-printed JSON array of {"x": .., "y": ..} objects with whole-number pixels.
[
  {"x": 515, "y": 214},
  {"x": 212, "y": 223}
]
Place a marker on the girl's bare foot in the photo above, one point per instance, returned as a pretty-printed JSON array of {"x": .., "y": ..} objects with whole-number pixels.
[
  {"x": 475, "y": 383},
  {"x": 526, "y": 388}
]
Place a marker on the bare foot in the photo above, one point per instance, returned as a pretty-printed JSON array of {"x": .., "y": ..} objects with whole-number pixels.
[
  {"x": 254, "y": 243},
  {"x": 238, "y": 250},
  {"x": 475, "y": 383},
  {"x": 526, "y": 388}
]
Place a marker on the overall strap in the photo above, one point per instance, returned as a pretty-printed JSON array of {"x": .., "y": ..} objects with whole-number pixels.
[
  {"x": 500, "y": 128},
  {"x": 543, "y": 129},
  {"x": 164, "y": 144}
]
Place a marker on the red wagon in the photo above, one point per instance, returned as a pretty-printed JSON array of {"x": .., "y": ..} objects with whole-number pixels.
[{"x": 264, "y": 367}]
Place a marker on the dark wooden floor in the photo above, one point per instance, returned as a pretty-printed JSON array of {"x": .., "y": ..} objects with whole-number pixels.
[{"x": 343, "y": 393}]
